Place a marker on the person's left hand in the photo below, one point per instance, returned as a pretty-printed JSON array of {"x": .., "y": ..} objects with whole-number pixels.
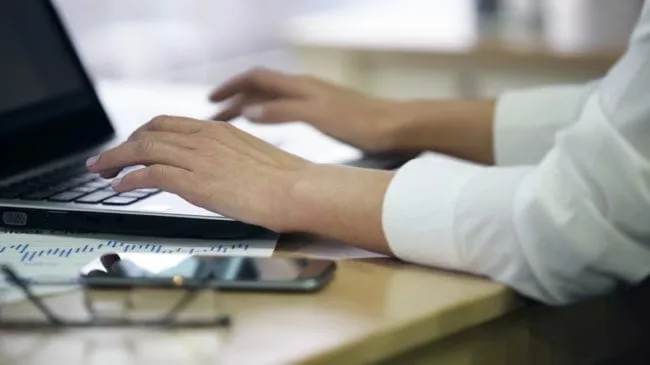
[{"x": 213, "y": 165}]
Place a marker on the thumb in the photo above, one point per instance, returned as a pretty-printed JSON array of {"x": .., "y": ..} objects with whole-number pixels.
[{"x": 278, "y": 111}]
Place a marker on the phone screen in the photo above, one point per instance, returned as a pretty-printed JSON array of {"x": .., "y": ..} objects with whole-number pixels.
[{"x": 145, "y": 269}]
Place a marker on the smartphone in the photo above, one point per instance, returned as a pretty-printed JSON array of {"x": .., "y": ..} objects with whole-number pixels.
[{"x": 125, "y": 270}]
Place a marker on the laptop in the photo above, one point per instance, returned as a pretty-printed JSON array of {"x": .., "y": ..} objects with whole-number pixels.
[{"x": 51, "y": 121}]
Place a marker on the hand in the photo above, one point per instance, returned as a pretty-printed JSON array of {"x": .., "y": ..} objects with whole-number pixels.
[
  {"x": 265, "y": 96},
  {"x": 212, "y": 165},
  {"x": 220, "y": 168}
]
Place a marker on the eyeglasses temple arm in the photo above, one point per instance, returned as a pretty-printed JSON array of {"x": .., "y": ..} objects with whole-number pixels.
[{"x": 18, "y": 282}]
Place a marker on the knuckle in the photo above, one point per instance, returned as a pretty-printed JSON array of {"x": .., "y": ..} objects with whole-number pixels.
[
  {"x": 257, "y": 70},
  {"x": 153, "y": 174},
  {"x": 138, "y": 135},
  {"x": 144, "y": 147},
  {"x": 135, "y": 135},
  {"x": 259, "y": 73},
  {"x": 159, "y": 120},
  {"x": 309, "y": 83}
]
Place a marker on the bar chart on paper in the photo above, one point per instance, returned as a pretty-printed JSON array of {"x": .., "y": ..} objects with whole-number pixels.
[
  {"x": 30, "y": 253},
  {"x": 42, "y": 256}
]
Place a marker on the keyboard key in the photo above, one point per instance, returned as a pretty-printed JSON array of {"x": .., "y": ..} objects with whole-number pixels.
[
  {"x": 120, "y": 200},
  {"x": 64, "y": 185},
  {"x": 15, "y": 190},
  {"x": 98, "y": 183},
  {"x": 85, "y": 189},
  {"x": 66, "y": 196},
  {"x": 96, "y": 197},
  {"x": 135, "y": 194},
  {"x": 149, "y": 190},
  {"x": 46, "y": 185},
  {"x": 40, "y": 194},
  {"x": 9, "y": 193},
  {"x": 73, "y": 182},
  {"x": 84, "y": 178}
]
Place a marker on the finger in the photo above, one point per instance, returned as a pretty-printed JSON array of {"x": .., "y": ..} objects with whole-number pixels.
[
  {"x": 237, "y": 104},
  {"x": 180, "y": 140},
  {"x": 260, "y": 80},
  {"x": 278, "y": 111},
  {"x": 232, "y": 110},
  {"x": 168, "y": 123},
  {"x": 168, "y": 178},
  {"x": 144, "y": 152},
  {"x": 176, "y": 139},
  {"x": 111, "y": 173}
]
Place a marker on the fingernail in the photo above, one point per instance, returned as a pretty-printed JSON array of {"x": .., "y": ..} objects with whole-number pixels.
[
  {"x": 116, "y": 182},
  {"x": 91, "y": 161},
  {"x": 253, "y": 112}
]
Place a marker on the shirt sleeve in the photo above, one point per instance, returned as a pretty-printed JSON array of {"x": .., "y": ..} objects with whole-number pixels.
[
  {"x": 526, "y": 121},
  {"x": 572, "y": 227}
]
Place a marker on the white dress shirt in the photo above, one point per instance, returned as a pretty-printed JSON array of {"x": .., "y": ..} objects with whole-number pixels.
[{"x": 565, "y": 213}]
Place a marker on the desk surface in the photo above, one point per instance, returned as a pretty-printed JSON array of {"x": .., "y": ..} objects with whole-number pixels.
[{"x": 374, "y": 309}]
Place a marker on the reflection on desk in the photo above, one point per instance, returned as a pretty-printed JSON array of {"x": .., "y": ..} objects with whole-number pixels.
[{"x": 374, "y": 309}]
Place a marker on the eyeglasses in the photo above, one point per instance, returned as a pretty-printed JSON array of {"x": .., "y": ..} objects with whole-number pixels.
[{"x": 170, "y": 318}]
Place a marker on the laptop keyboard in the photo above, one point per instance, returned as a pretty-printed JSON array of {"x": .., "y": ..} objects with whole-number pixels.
[{"x": 72, "y": 184}]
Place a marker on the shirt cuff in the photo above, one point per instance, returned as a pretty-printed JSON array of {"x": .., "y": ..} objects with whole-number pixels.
[
  {"x": 419, "y": 209},
  {"x": 526, "y": 121}
]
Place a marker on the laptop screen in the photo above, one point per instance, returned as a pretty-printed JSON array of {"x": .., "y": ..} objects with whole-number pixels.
[{"x": 48, "y": 108}]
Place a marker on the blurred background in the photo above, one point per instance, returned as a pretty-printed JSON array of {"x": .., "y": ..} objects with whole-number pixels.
[{"x": 401, "y": 49}]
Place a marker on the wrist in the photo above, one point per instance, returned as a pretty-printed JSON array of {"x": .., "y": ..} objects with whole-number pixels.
[
  {"x": 388, "y": 120},
  {"x": 340, "y": 202},
  {"x": 415, "y": 124},
  {"x": 461, "y": 128}
]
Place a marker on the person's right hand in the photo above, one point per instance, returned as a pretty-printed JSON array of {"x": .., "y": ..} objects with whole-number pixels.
[{"x": 265, "y": 96}]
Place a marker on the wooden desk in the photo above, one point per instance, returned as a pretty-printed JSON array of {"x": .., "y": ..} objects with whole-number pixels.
[{"x": 374, "y": 309}]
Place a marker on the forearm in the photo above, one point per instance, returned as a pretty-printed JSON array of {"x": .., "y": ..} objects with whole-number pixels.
[
  {"x": 346, "y": 203},
  {"x": 461, "y": 128},
  {"x": 343, "y": 203}
]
